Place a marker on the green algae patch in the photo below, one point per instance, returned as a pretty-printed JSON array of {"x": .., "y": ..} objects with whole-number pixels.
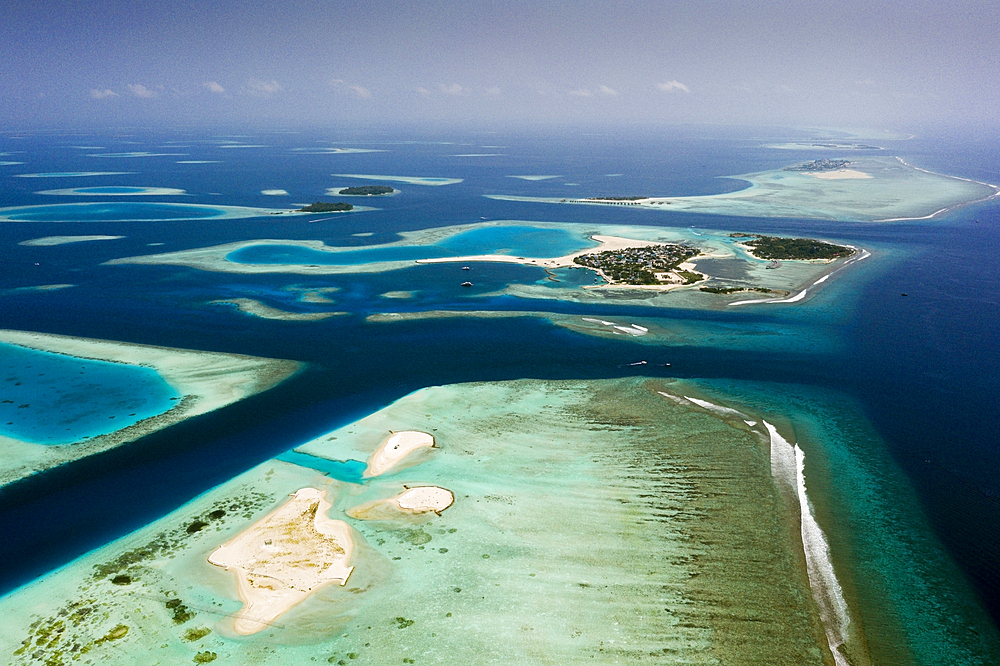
[
  {"x": 196, "y": 634},
  {"x": 205, "y": 657},
  {"x": 118, "y": 632}
]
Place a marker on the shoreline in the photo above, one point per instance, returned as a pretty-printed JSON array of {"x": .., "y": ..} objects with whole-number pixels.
[{"x": 275, "y": 559}]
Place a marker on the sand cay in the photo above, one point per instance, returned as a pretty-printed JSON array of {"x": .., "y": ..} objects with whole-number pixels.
[
  {"x": 412, "y": 501},
  {"x": 284, "y": 557},
  {"x": 396, "y": 448}
]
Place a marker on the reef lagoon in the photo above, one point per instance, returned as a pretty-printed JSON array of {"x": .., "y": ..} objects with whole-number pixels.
[{"x": 792, "y": 466}]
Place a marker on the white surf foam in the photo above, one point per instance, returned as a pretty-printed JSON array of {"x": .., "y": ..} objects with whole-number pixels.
[
  {"x": 788, "y": 470},
  {"x": 712, "y": 407}
]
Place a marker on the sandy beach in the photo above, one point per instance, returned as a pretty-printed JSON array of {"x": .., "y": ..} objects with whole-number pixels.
[
  {"x": 284, "y": 557},
  {"x": 396, "y": 448},
  {"x": 839, "y": 174}
]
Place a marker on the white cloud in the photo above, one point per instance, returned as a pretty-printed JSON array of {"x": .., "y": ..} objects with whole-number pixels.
[
  {"x": 493, "y": 91},
  {"x": 673, "y": 86},
  {"x": 260, "y": 87},
  {"x": 214, "y": 87},
  {"x": 422, "y": 91},
  {"x": 605, "y": 90},
  {"x": 581, "y": 92},
  {"x": 140, "y": 90},
  {"x": 352, "y": 88},
  {"x": 451, "y": 89},
  {"x": 102, "y": 94}
]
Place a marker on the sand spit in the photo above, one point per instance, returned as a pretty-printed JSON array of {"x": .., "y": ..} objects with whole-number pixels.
[
  {"x": 206, "y": 380},
  {"x": 396, "y": 448},
  {"x": 284, "y": 557},
  {"x": 47, "y": 241},
  {"x": 565, "y": 261},
  {"x": 412, "y": 501},
  {"x": 256, "y": 308}
]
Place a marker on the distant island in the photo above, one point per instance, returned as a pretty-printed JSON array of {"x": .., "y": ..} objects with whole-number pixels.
[
  {"x": 772, "y": 247},
  {"x": 820, "y": 165},
  {"x": 367, "y": 190},
  {"x": 325, "y": 207},
  {"x": 648, "y": 265}
]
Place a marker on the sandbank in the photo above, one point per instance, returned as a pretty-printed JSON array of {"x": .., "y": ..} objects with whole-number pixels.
[
  {"x": 284, "y": 557},
  {"x": 206, "y": 380},
  {"x": 412, "y": 501},
  {"x": 411, "y": 180},
  {"x": 275, "y": 193},
  {"x": 895, "y": 190},
  {"x": 119, "y": 191},
  {"x": 256, "y": 308},
  {"x": 72, "y": 174},
  {"x": 46, "y": 241},
  {"x": 395, "y": 449},
  {"x": 839, "y": 174}
]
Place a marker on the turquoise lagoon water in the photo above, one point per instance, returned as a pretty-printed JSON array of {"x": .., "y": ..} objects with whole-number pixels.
[
  {"x": 110, "y": 212},
  {"x": 341, "y": 470},
  {"x": 48, "y": 398},
  {"x": 510, "y": 240}
]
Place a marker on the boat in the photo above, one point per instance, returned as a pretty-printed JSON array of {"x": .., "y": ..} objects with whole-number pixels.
[{"x": 466, "y": 284}]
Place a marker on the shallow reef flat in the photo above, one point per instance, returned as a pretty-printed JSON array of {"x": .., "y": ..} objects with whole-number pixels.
[
  {"x": 117, "y": 211},
  {"x": 255, "y": 308},
  {"x": 888, "y": 189},
  {"x": 723, "y": 264},
  {"x": 604, "y": 521},
  {"x": 203, "y": 381}
]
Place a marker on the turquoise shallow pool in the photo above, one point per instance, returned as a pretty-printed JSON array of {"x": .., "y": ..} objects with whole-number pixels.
[
  {"x": 49, "y": 398},
  {"x": 523, "y": 241}
]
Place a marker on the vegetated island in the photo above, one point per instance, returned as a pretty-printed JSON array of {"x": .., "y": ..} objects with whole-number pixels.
[
  {"x": 649, "y": 265},
  {"x": 326, "y": 207},
  {"x": 367, "y": 190},
  {"x": 824, "y": 164},
  {"x": 772, "y": 247}
]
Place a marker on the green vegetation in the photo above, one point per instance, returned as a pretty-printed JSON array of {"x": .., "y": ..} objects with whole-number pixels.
[
  {"x": 640, "y": 265},
  {"x": 771, "y": 247},
  {"x": 367, "y": 190},
  {"x": 733, "y": 290},
  {"x": 326, "y": 207},
  {"x": 205, "y": 657},
  {"x": 820, "y": 165}
]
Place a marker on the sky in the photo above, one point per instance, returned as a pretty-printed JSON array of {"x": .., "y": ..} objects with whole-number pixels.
[{"x": 260, "y": 63}]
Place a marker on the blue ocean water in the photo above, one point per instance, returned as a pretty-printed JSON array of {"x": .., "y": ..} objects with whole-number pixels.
[
  {"x": 923, "y": 369},
  {"x": 49, "y": 398}
]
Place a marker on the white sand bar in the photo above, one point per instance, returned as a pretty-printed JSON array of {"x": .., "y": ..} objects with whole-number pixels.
[
  {"x": 47, "y": 241},
  {"x": 605, "y": 243},
  {"x": 395, "y": 449},
  {"x": 284, "y": 557},
  {"x": 206, "y": 380},
  {"x": 412, "y": 501}
]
